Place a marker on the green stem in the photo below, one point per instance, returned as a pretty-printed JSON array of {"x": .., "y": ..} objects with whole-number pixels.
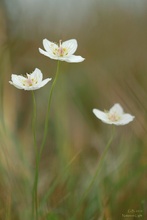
[
  {"x": 34, "y": 122},
  {"x": 35, "y": 186},
  {"x": 101, "y": 161},
  {"x": 48, "y": 110},
  {"x": 39, "y": 153}
]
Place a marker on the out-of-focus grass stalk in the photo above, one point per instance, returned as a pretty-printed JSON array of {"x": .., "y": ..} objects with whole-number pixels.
[
  {"x": 57, "y": 181},
  {"x": 1, "y": 91},
  {"x": 8, "y": 209},
  {"x": 100, "y": 163}
]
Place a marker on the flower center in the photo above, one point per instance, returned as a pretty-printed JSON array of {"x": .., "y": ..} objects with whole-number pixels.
[
  {"x": 59, "y": 50},
  {"x": 113, "y": 116},
  {"x": 29, "y": 81}
]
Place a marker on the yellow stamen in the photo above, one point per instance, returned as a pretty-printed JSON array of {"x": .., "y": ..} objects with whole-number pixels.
[{"x": 113, "y": 117}]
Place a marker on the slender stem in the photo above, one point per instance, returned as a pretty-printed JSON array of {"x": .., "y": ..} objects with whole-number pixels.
[
  {"x": 101, "y": 161},
  {"x": 34, "y": 122},
  {"x": 39, "y": 153},
  {"x": 48, "y": 110},
  {"x": 35, "y": 190},
  {"x": 35, "y": 186}
]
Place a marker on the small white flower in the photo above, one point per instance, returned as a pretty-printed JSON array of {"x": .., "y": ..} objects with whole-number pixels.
[
  {"x": 32, "y": 81},
  {"x": 62, "y": 51},
  {"x": 114, "y": 116}
]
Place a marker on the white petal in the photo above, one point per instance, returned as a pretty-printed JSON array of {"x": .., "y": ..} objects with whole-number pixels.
[
  {"x": 50, "y": 55},
  {"x": 126, "y": 118},
  {"x": 18, "y": 87},
  {"x": 30, "y": 88},
  {"x": 17, "y": 78},
  {"x": 37, "y": 74},
  {"x": 44, "y": 82},
  {"x": 74, "y": 59},
  {"x": 116, "y": 108},
  {"x": 101, "y": 115},
  {"x": 48, "y": 45},
  {"x": 17, "y": 81},
  {"x": 71, "y": 46}
]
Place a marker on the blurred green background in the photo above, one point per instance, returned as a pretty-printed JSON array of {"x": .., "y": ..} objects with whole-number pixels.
[{"x": 112, "y": 36}]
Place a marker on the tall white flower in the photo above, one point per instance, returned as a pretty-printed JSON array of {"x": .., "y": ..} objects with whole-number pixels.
[
  {"x": 114, "y": 116},
  {"x": 62, "y": 51},
  {"x": 32, "y": 81}
]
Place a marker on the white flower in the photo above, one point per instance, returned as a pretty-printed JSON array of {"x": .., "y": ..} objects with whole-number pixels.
[
  {"x": 114, "y": 116},
  {"x": 62, "y": 51},
  {"x": 32, "y": 81}
]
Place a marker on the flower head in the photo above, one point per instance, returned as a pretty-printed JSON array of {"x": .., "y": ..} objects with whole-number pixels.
[
  {"x": 32, "y": 81},
  {"x": 62, "y": 51},
  {"x": 114, "y": 116}
]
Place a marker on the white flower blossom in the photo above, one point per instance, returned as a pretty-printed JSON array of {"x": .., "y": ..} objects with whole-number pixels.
[
  {"x": 62, "y": 51},
  {"x": 32, "y": 81},
  {"x": 114, "y": 116}
]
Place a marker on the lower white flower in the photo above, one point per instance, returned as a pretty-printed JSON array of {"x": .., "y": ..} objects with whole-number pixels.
[
  {"x": 114, "y": 116},
  {"x": 62, "y": 51},
  {"x": 32, "y": 81}
]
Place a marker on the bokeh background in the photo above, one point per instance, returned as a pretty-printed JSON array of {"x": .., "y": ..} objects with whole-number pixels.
[{"x": 112, "y": 36}]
